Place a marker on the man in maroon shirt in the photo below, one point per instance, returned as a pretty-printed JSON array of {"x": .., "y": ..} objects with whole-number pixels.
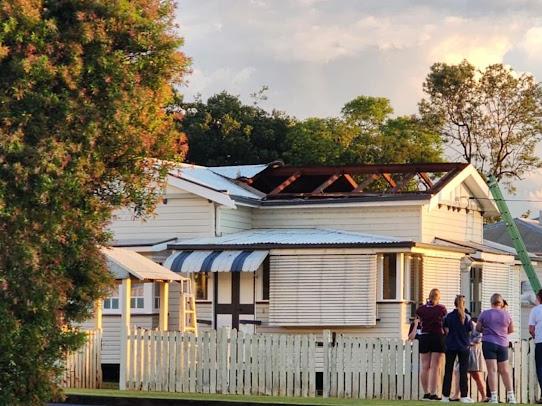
[{"x": 432, "y": 346}]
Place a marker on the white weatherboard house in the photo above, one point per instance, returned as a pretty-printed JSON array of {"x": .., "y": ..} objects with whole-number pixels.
[{"x": 274, "y": 248}]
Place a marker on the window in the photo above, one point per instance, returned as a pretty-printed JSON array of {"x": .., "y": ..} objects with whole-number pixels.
[
  {"x": 389, "y": 276},
  {"x": 156, "y": 288},
  {"x": 112, "y": 302},
  {"x": 265, "y": 280},
  {"x": 413, "y": 288},
  {"x": 475, "y": 290},
  {"x": 413, "y": 279},
  {"x": 137, "y": 299},
  {"x": 200, "y": 283}
]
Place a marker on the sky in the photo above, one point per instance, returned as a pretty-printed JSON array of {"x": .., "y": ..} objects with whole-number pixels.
[{"x": 315, "y": 55}]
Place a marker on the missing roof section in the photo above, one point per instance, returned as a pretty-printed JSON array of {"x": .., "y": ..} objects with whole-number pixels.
[{"x": 325, "y": 182}]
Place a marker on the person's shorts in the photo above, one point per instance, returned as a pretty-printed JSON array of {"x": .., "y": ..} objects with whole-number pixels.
[
  {"x": 494, "y": 351},
  {"x": 432, "y": 343}
]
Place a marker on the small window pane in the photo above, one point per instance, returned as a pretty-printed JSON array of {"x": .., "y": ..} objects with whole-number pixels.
[
  {"x": 107, "y": 304},
  {"x": 389, "y": 277},
  {"x": 200, "y": 282},
  {"x": 265, "y": 284},
  {"x": 114, "y": 303}
]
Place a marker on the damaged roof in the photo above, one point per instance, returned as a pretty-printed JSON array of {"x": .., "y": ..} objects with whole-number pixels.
[{"x": 276, "y": 184}]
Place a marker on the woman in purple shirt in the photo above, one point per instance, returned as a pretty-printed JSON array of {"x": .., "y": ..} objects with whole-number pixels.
[{"x": 495, "y": 325}]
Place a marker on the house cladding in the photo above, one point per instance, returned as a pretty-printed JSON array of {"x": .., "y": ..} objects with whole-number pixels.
[
  {"x": 305, "y": 287},
  {"x": 324, "y": 290}
]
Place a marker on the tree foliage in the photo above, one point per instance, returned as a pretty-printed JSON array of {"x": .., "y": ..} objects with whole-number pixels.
[
  {"x": 83, "y": 90},
  {"x": 364, "y": 134},
  {"x": 224, "y": 131},
  {"x": 491, "y": 118}
]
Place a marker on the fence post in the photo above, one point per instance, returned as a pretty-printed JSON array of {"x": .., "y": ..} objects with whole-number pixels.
[{"x": 327, "y": 357}]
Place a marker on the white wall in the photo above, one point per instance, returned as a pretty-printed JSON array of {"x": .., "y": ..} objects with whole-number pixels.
[
  {"x": 392, "y": 322},
  {"x": 399, "y": 221},
  {"x": 444, "y": 274},
  {"x": 184, "y": 216},
  {"x": 503, "y": 279},
  {"x": 111, "y": 333},
  {"x": 455, "y": 224},
  {"x": 234, "y": 220},
  {"x": 322, "y": 290}
]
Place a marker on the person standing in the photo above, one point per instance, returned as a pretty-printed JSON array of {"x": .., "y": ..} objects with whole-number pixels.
[
  {"x": 431, "y": 340},
  {"x": 495, "y": 324},
  {"x": 535, "y": 329},
  {"x": 477, "y": 364},
  {"x": 457, "y": 326}
]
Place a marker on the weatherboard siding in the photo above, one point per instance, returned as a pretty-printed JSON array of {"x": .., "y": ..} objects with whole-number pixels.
[
  {"x": 235, "y": 220},
  {"x": 444, "y": 274},
  {"x": 503, "y": 279},
  {"x": 322, "y": 290},
  {"x": 392, "y": 322},
  {"x": 454, "y": 224},
  {"x": 400, "y": 221},
  {"x": 184, "y": 216},
  {"x": 111, "y": 333}
]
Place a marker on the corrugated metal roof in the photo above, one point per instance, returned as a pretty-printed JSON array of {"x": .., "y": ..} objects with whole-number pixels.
[
  {"x": 471, "y": 244},
  {"x": 206, "y": 177},
  {"x": 530, "y": 230},
  {"x": 291, "y": 237},
  {"x": 510, "y": 250},
  {"x": 141, "y": 242},
  {"x": 123, "y": 263},
  {"x": 238, "y": 171}
]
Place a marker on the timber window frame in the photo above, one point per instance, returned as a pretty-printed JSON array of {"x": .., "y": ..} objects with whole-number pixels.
[
  {"x": 390, "y": 269},
  {"x": 201, "y": 282}
]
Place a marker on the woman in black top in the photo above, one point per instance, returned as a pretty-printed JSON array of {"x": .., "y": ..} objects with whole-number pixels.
[{"x": 458, "y": 327}]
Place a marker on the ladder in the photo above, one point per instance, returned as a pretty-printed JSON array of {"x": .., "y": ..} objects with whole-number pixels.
[
  {"x": 514, "y": 234},
  {"x": 187, "y": 308}
]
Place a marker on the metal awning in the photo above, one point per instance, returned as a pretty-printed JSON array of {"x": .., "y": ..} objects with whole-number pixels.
[
  {"x": 216, "y": 261},
  {"x": 124, "y": 264}
]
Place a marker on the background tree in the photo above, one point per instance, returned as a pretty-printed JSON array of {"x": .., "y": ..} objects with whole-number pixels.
[
  {"x": 491, "y": 118},
  {"x": 82, "y": 95},
  {"x": 365, "y": 133},
  {"x": 224, "y": 131}
]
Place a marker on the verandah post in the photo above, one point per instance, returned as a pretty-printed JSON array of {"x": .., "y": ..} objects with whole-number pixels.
[
  {"x": 124, "y": 331},
  {"x": 164, "y": 305}
]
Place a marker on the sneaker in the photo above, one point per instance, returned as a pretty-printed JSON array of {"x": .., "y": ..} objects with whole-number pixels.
[
  {"x": 435, "y": 397},
  {"x": 445, "y": 399},
  {"x": 466, "y": 400},
  {"x": 427, "y": 396},
  {"x": 493, "y": 400},
  {"x": 511, "y": 398}
]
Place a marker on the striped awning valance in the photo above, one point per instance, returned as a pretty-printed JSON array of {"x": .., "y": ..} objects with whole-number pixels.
[{"x": 215, "y": 261}]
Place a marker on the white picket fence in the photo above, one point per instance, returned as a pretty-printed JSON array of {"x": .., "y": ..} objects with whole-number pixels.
[
  {"x": 225, "y": 361},
  {"x": 83, "y": 369},
  {"x": 231, "y": 362},
  {"x": 371, "y": 368}
]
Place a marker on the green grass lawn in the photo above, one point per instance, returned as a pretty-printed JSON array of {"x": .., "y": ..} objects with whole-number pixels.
[{"x": 238, "y": 398}]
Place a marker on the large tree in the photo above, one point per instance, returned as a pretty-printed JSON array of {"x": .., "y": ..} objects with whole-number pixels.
[
  {"x": 224, "y": 131},
  {"x": 83, "y": 90},
  {"x": 365, "y": 133},
  {"x": 491, "y": 118}
]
